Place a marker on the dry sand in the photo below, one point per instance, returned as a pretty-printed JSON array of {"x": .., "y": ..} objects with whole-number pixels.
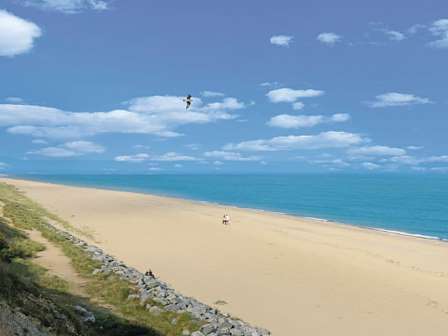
[{"x": 291, "y": 275}]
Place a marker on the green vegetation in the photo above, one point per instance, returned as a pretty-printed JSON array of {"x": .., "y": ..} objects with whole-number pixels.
[{"x": 22, "y": 281}]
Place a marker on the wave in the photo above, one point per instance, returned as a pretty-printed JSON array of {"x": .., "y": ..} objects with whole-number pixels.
[{"x": 402, "y": 233}]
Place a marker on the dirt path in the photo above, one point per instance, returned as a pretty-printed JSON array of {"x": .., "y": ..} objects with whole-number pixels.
[{"x": 53, "y": 259}]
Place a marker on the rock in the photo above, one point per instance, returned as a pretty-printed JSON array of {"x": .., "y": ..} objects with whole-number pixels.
[
  {"x": 197, "y": 333},
  {"x": 87, "y": 316},
  {"x": 133, "y": 297},
  {"x": 155, "y": 310},
  {"x": 208, "y": 328}
]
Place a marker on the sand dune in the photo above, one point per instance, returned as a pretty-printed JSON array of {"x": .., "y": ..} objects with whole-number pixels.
[{"x": 292, "y": 275}]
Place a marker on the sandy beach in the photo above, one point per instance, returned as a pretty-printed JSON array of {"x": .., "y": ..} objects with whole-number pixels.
[{"x": 292, "y": 275}]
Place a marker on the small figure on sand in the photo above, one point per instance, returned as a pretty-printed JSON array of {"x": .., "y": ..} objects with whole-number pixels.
[
  {"x": 226, "y": 219},
  {"x": 149, "y": 273},
  {"x": 188, "y": 100}
]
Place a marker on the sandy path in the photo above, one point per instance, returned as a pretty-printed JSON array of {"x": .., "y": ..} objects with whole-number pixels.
[
  {"x": 57, "y": 263},
  {"x": 291, "y": 275}
]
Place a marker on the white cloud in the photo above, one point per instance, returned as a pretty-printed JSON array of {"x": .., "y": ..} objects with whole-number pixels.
[
  {"x": 299, "y": 121},
  {"x": 329, "y": 38},
  {"x": 132, "y": 158},
  {"x": 157, "y": 115},
  {"x": 439, "y": 29},
  {"x": 67, "y": 6},
  {"x": 209, "y": 94},
  {"x": 287, "y": 95},
  {"x": 414, "y": 29},
  {"x": 370, "y": 165},
  {"x": 340, "y": 117},
  {"x": 172, "y": 157},
  {"x": 167, "y": 157},
  {"x": 414, "y": 147},
  {"x": 377, "y": 151},
  {"x": 54, "y": 152},
  {"x": 84, "y": 147},
  {"x": 14, "y": 100},
  {"x": 229, "y": 103},
  {"x": 397, "y": 99},
  {"x": 3, "y": 165},
  {"x": 437, "y": 159},
  {"x": 331, "y": 139},
  {"x": 298, "y": 106},
  {"x": 291, "y": 121},
  {"x": 281, "y": 40},
  {"x": 230, "y": 156},
  {"x": 331, "y": 162},
  {"x": 39, "y": 142},
  {"x": 16, "y": 34},
  {"x": 269, "y": 84},
  {"x": 394, "y": 35},
  {"x": 69, "y": 149}
]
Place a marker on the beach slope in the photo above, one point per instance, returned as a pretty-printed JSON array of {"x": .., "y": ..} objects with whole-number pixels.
[{"x": 292, "y": 275}]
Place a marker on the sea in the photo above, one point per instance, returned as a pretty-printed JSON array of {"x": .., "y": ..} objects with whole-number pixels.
[{"x": 410, "y": 204}]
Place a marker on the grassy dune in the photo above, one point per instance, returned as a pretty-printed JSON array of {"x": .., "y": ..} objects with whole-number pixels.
[{"x": 22, "y": 281}]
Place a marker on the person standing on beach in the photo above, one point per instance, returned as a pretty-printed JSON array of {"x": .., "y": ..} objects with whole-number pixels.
[{"x": 226, "y": 219}]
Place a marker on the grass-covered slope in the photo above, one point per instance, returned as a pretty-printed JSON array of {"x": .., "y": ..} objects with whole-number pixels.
[{"x": 30, "y": 290}]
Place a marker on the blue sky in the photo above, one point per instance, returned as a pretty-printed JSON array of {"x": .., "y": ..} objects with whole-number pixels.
[{"x": 285, "y": 86}]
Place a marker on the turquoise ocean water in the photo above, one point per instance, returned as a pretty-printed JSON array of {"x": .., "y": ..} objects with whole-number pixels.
[{"x": 414, "y": 204}]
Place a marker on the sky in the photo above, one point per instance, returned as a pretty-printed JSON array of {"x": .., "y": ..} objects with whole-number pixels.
[{"x": 92, "y": 86}]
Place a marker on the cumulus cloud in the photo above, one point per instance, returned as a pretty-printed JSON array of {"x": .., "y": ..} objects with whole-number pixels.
[
  {"x": 132, "y": 158},
  {"x": 167, "y": 157},
  {"x": 69, "y": 149},
  {"x": 227, "y": 104},
  {"x": 397, "y": 99},
  {"x": 394, "y": 35},
  {"x": 15, "y": 100},
  {"x": 287, "y": 95},
  {"x": 281, "y": 40},
  {"x": 331, "y": 139},
  {"x": 39, "y": 142},
  {"x": 298, "y": 106},
  {"x": 230, "y": 156},
  {"x": 414, "y": 29},
  {"x": 439, "y": 29},
  {"x": 339, "y": 163},
  {"x": 329, "y": 38},
  {"x": 370, "y": 165},
  {"x": 157, "y": 115},
  {"x": 17, "y": 35},
  {"x": 269, "y": 84},
  {"x": 437, "y": 159},
  {"x": 67, "y": 6},
  {"x": 209, "y": 94},
  {"x": 172, "y": 157},
  {"x": 377, "y": 151},
  {"x": 299, "y": 121}
]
